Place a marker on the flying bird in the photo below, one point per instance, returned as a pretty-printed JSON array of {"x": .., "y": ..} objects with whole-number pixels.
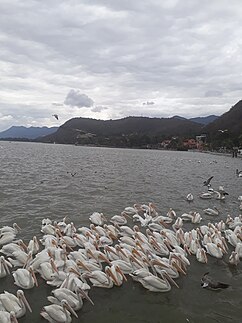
[
  {"x": 222, "y": 131},
  {"x": 210, "y": 283},
  {"x": 56, "y": 116},
  {"x": 207, "y": 182}
]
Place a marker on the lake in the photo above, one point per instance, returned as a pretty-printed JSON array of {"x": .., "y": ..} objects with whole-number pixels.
[{"x": 36, "y": 183}]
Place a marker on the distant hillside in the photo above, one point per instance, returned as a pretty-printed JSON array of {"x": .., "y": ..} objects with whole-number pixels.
[
  {"x": 200, "y": 120},
  {"x": 120, "y": 131},
  {"x": 230, "y": 121},
  {"x": 28, "y": 133},
  {"x": 204, "y": 120}
]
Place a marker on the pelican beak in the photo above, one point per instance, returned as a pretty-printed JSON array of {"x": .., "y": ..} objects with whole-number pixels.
[
  {"x": 136, "y": 252},
  {"x": 118, "y": 270},
  {"x": 23, "y": 245},
  {"x": 104, "y": 258},
  {"x": 34, "y": 277},
  {"x": 70, "y": 309},
  {"x": 159, "y": 263},
  {"x": 26, "y": 303},
  {"x": 170, "y": 279},
  {"x": 18, "y": 227},
  {"x": 111, "y": 275},
  {"x": 82, "y": 265},
  {"x": 73, "y": 270},
  {"x": 178, "y": 268},
  {"x": 187, "y": 249},
  {"x": 84, "y": 294},
  {"x": 53, "y": 266},
  {"x": 90, "y": 253}
]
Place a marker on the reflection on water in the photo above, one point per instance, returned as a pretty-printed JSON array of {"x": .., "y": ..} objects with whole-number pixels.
[{"x": 36, "y": 183}]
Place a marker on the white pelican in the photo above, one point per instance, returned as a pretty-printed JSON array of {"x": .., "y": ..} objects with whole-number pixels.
[
  {"x": 99, "y": 278},
  {"x": 234, "y": 258},
  {"x": 33, "y": 245},
  {"x": 156, "y": 284},
  {"x": 16, "y": 304},
  {"x": 7, "y": 237},
  {"x": 4, "y": 267},
  {"x": 58, "y": 313},
  {"x": 206, "y": 195},
  {"x": 120, "y": 219},
  {"x": 47, "y": 269},
  {"x": 238, "y": 249},
  {"x": 25, "y": 278},
  {"x": 9, "y": 248},
  {"x": 201, "y": 255},
  {"x": 14, "y": 229},
  {"x": 118, "y": 274},
  {"x": 211, "y": 211},
  {"x": 171, "y": 213},
  {"x": 73, "y": 299},
  {"x": 215, "y": 250},
  {"x": 97, "y": 218},
  {"x": 6, "y": 317}
]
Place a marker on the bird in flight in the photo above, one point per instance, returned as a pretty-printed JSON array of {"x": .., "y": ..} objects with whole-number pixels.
[
  {"x": 207, "y": 182},
  {"x": 208, "y": 282},
  {"x": 56, "y": 116},
  {"x": 225, "y": 130}
]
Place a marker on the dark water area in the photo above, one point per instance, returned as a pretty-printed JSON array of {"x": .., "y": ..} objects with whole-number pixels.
[{"x": 36, "y": 183}]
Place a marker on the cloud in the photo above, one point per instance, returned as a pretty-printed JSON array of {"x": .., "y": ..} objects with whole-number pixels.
[
  {"x": 98, "y": 108},
  {"x": 212, "y": 93},
  {"x": 76, "y": 99},
  {"x": 185, "y": 57}
]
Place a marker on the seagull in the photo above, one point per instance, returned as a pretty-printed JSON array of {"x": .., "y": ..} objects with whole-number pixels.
[
  {"x": 56, "y": 116},
  {"x": 207, "y": 182},
  {"x": 225, "y": 130},
  {"x": 208, "y": 282},
  {"x": 72, "y": 174}
]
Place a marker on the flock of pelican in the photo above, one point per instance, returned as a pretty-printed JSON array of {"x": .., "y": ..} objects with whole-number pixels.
[{"x": 150, "y": 248}]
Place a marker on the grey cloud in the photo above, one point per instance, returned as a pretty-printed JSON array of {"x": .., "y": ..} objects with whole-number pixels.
[
  {"x": 98, "y": 108},
  {"x": 214, "y": 93},
  {"x": 76, "y": 99}
]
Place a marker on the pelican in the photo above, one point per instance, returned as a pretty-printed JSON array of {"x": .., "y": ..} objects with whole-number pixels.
[
  {"x": 99, "y": 278},
  {"x": 9, "y": 248},
  {"x": 25, "y": 278},
  {"x": 234, "y": 258},
  {"x": 7, "y": 237},
  {"x": 215, "y": 250},
  {"x": 97, "y": 218},
  {"x": 58, "y": 313},
  {"x": 6, "y": 317},
  {"x": 14, "y": 229},
  {"x": 118, "y": 274},
  {"x": 211, "y": 211},
  {"x": 4, "y": 267},
  {"x": 73, "y": 299},
  {"x": 120, "y": 219},
  {"x": 201, "y": 255},
  {"x": 207, "y": 195},
  {"x": 16, "y": 304},
  {"x": 156, "y": 284}
]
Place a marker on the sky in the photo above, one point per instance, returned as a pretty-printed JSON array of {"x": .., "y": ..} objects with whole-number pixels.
[{"x": 110, "y": 59}]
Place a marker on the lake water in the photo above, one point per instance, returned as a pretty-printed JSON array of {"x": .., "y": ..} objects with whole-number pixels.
[{"x": 35, "y": 185}]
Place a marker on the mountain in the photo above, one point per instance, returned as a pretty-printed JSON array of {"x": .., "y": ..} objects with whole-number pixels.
[
  {"x": 200, "y": 120},
  {"x": 205, "y": 120},
  {"x": 121, "y": 132},
  {"x": 28, "y": 133},
  {"x": 230, "y": 122}
]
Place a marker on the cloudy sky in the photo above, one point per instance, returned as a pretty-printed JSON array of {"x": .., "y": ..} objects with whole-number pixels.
[{"x": 108, "y": 59}]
